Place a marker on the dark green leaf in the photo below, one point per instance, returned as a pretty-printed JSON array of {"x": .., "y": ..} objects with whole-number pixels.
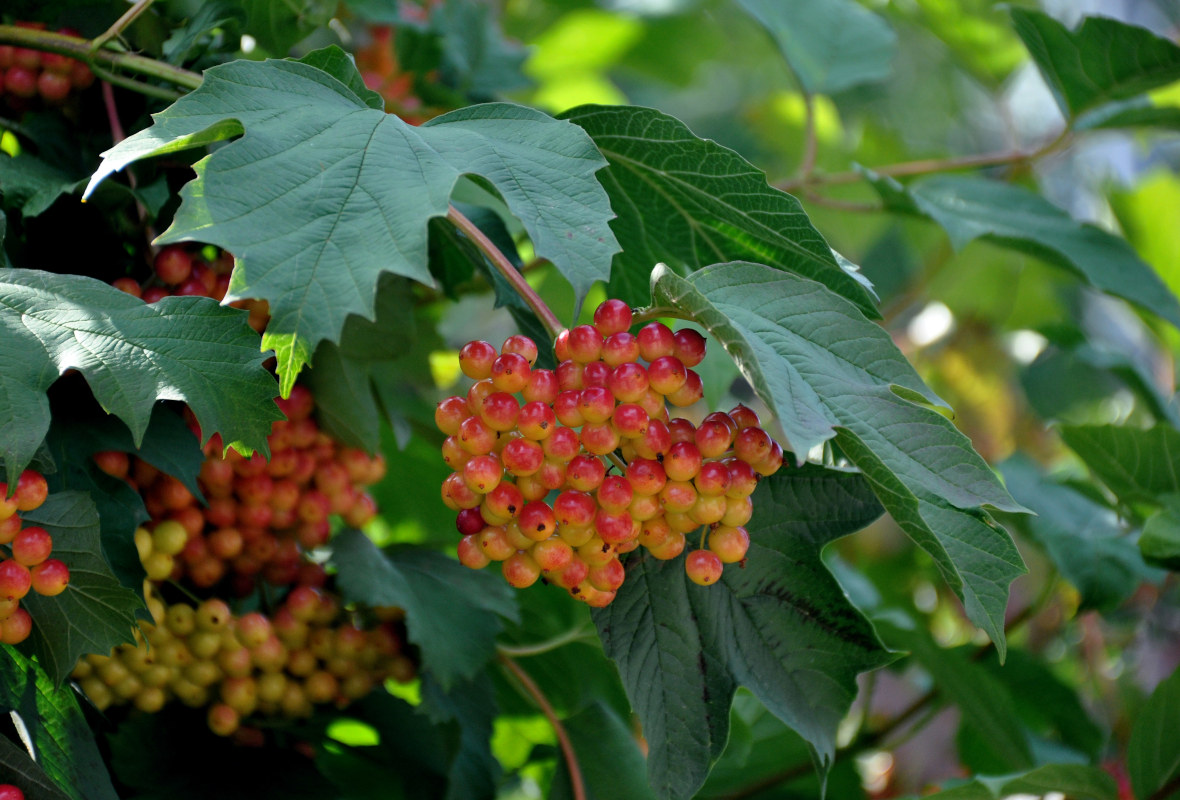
[
  {"x": 474, "y": 771},
  {"x": 95, "y": 612},
  {"x": 340, "y": 66},
  {"x": 1103, "y": 60},
  {"x": 339, "y": 192},
  {"x": 608, "y": 757},
  {"x": 969, "y": 208},
  {"x": 131, "y": 354},
  {"x": 781, "y": 626},
  {"x": 61, "y": 740},
  {"x": 20, "y": 770},
  {"x": 1083, "y": 539},
  {"x": 280, "y": 24},
  {"x": 1137, "y": 465},
  {"x": 689, "y": 202},
  {"x": 1077, "y": 781},
  {"x": 826, "y": 372},
  {"x": 477, "y": 59},
  {"x": 30, "y": 184},
  {"x": 1153, "y": 760},
  {"x": 1160, "y": 541},
  {"x": 452, "y": 613},
  {"x": 209, "y": 15},
  {"x": 831, "y": 45}
]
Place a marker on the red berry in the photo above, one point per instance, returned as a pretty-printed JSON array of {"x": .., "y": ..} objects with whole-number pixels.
[
  {"x": 15, "y": 579},
  {"x": 655, "y": 341},
  {"x": 630, "y": 420},
  {"x": 53, "y": 87},
  {"x": 570, "y": 376},
  {"x": 504, "y": 502},
  {"x": 612, "y": 316},
  {"x": 542, "y": 387},
  {"x": 607, "y": 577},
  {"x": 596, "y": 403},
  {"x": 596, "y": 373},
  {"x": 9, "y": 528},
  {"x": 476, "y": 358},
  {"x": 628, "y": 382},
  {"x": 510, "y": 372},
  {"x": 620, "y": 348},
  {"x": 575, "y": 509},
  {"x": 585, "y": 344},
  {"x": 646, "y": 476},
  {"x": 730, "y": 543},
  {"x": 692, "y": 391},
  {"x": 713, "y": 438},
  {"x": 536, "y": 420},
  {"x": 21, "y": 81},
  {"x": 553, "y": 554},
  {"x": 469, "y": 521},
  {"x": 499, "y": 411},
  {"x": 128, "y": 285},
  {"x": 15, "y": 629},
  {"x": 522, "y": 457},
  {"x": 615, "y": 494},
  {"x": 585, "y": 473},
  {"x": 600, "y": 438},
  {"x": 689, "y": 347},
  {"x": 537, "y": 521},
  {"x": 31, "y": 490},
  {"x": 520, "y": 570},
  {"x": 562, "y": 445},
  {"x": 521, "y": 345},
  {"x": 10, "y": 792},
  {"x": 32, "y": 546}
]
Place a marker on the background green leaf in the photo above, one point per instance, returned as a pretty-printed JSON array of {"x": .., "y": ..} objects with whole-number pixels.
[
  {"x": 1074, "y": 780},
  {"x": 831, "y": 45},
  {"x": 131, "y": 354},
  {"x": 1153, "y": 760},
  {"x": 779, "y": 625},
  {"x": 1137, "y": 465},
  {"x": 456, "y": 637}
]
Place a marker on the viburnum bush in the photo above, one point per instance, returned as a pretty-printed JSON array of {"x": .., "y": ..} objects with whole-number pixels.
[{"x": 309, "y": 312}]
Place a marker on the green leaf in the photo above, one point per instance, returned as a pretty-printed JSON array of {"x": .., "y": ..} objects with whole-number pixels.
[
  {"x": 280, "y": 24},
  {"x": 326, "y": 193},
  {"x": 61, "y": 740},
  {"x": 1138, "y": 112},
  {"x": 32, "y": 185},
  {"x": 826, "y": 372},
  {"x": 607, "y": 754},
  {"x": 131, "y": 354},
  {"x": 831, "y": 45},
  {"x": 477, "y": 59},
  {"x": 452, "y": 613},
  {"x": 20, "y": 770},
  {"x": 689, "y": 202},
  {"x": 1137, "y": 465},
  {"x": 1160, "y": 541},
  {"x": 781, "y": 626},
  {"x": 339, "y": 65},
  {"x": 95, "y": 612},
  {"x": 1102, "y": 61},
  {"x": 969, "y": 208},
  {"x": 985, "y": 704},
  {"x": 1077, "y": 781},
  {"x": 209, "y": 15},
  {"x": 1153, "y": 760},
  {"x": 1083, "y": 539},
  {"x": 474, "y": 771}
]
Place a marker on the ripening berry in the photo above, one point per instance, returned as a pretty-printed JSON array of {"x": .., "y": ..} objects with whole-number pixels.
[
  {"x": 596, "y": 373},
  {"x": 584, "y": 344},
  {"x": 536, "y": 420},
  {"x": 9, "y": 528},
  {"x": 692, "y": 391},
  {"x": 612, "y": 316},
  {"x": 689, "y": 346},
  {"x": 615, "y": 494},
  {"x": 520, "y": 570},
  {"x": 620, "y": 348},
  {"x": 223, "y": 720},
  {"x": 607, "y": 577},
  {"x": 585, "y": 473},
  {"x": 682, "y": 461},
  {"x": 32, "y": 546},
  {"x": 521, "y": 345},
  {"x": 543, "y": 386},
  {"x": 537, "y": 520},
  {"x": 510, "y": 372},
  {"x": 470, "y": 554},
  {"x": 449, "y": 413},
  {"x": 10, "y": 792},
  {"x": 15, "y": 580},
  {"x": 31, "y": 490},
  {"x": 569, "y": 576},
  {"x": 553, "y": 554},
  {"x": 50, "y": 577},
  {"x": 476, "y": 358},
  {"x": 499, "y": 411},
  {"x": 703, "y": 567},
  {"x": 15, "y": 628}
]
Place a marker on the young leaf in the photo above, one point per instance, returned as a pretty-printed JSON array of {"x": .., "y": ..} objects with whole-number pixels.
[
  {"x": 452, "y": 613},
  {"x": 58, "y": 734},
  {"x": 339, "y": 192},
  {"x": 689, "y": 202},
  {"x": 1153, "y": 760},
  {"x": 968, "y": 208},
  {"x": 828, "y": 372},
  {"x": 1083, "y": 539},
  {"x": 780, "y": 625},
  {"x": 1137, "y": 465},
  {"x": 1101, "y": 61},
  {"x": 95, "y": 612},
  {"x": 831, "y": 45},
  {"x": 131, "y": 354}
]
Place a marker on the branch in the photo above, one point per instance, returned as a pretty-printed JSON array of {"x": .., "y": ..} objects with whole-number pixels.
[
  {"x": 510, "y": 273},
  {"x": 104, "y": 60},
  {"x": 578, "y": 634},
  {"x": 567, "y": 749},
  {"x": 120, "y": 24},
  {"x": 810, "y": 142},
  {"x": 928, "y": 165}
]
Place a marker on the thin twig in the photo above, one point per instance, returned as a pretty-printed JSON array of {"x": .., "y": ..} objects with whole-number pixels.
[
  {"x": 80, "y": 49},
  {"x": 510, "y": 273},
  {"x": 120, "y": 24},
  {"x": 567, "y": 749},
  {"x": 810, "y": 140},
  {"x": 655, "y": 312},
  {"x": 560, "y": 640}
]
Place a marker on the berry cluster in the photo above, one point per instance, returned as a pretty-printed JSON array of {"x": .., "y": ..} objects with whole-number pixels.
[
  {"x": 28, "y": 565},
  {"x": 184, "y": 271},
  {"x": 559, "y": 472},
  {"x": 26, "y": 74},
  {"x": 309, "y": 652},
  {"x": 261, "y": 516}
]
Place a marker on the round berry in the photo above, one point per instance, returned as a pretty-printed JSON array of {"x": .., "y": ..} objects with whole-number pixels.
[
  {"x": 689, "y": 346},
  {"x": 612, "y": 316},
  {"x": 32, "y": 546},
  {"x": 15, "y": 579},
  {"x": 521, "y": 345},
  {"x": 31, "y": 490},
  {"x": 476, "y": 358},
  {"x": 703, "y": 567},
  {"x": 16, "y": 628}
]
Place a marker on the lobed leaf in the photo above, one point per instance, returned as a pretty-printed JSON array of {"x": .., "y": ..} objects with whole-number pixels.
[
  {"x": 131, "y": 354},
  {"x": 780, "y": 625},
  {"x": 95, "y": 612},
  {"x": 690, "y": 202},
  {"x": 324, "y": 193},
  {"x": 61, "y": 741},
  {"x": 827, "y": 372},
  {"x": 969, "y": 208},
  {"x": 452, "y": 615},
  {"x": 1103, "y": 60},
  {"x": 831, "y": 45}
]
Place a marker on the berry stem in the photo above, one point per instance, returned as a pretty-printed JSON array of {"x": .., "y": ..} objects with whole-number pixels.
[
  {"x": 511, "y": 274},
  {"x": 103, "y": 61},
  {"x": 640, "y": 315},
  {"x": 567, "y": 749},
  {"x": 560, "y": 640},
  {"x": 120, "y": 24}
]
